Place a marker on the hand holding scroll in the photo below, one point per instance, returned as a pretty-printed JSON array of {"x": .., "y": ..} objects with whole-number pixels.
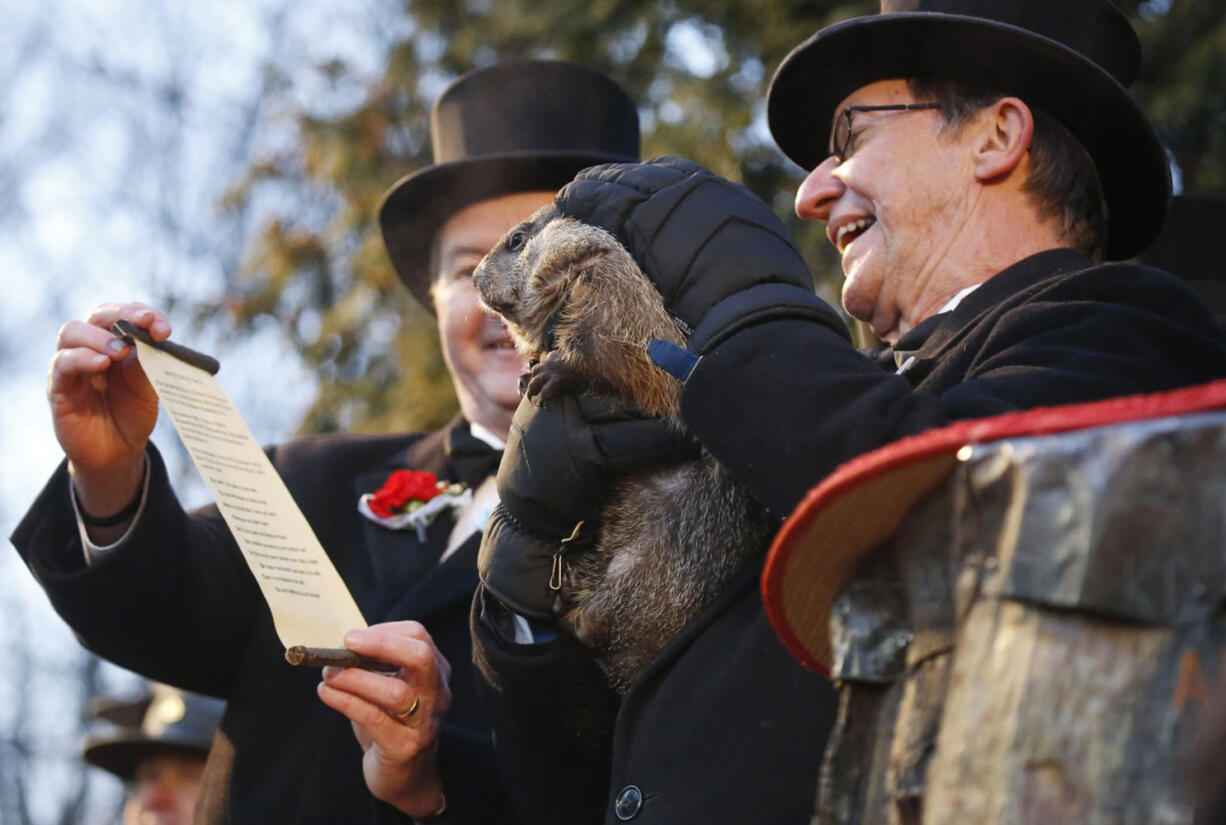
[
  {"x": 102, "y": 405},
  {"x": 396, "y": 717}
]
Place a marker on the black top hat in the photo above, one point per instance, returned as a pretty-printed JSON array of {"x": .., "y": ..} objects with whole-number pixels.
[
  {"x": 515, "y": 127},
  {"x": 1070, "y": 58},
  {"x": 170, "y": 720}
]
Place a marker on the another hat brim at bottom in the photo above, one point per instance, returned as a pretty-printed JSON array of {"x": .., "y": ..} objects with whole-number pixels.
[
  {"x": 120, "y": 755},
  {"x": 418, "y": 205},
  {"x": 821, "y": 72},
  {"x": 858, "y": 506}
]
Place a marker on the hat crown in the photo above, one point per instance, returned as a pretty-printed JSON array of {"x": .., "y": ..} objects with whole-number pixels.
[
  {"x": 1094, "y": 28},
  {"x": 521, "y": 126},
  {"x": 533, "y": 106},
  {"x": 176, "y": 716}
]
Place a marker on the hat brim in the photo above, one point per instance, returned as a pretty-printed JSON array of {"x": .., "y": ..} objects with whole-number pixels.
[
  {"x": 121, "y": 753},
  {"x": 819, "y": 73},
  {"x": 417, "y": 206},
  {"x": 856, "y": 508}
]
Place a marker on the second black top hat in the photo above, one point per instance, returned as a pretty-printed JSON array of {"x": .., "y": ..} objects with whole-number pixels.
[{"x": 514, "y": 127}]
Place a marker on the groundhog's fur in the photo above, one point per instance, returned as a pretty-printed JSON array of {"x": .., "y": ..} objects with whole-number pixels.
[{"x": 671, "y": 538}]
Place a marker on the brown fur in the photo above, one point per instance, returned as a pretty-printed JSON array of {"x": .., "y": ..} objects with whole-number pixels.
[{"x": 671, "y": 538}]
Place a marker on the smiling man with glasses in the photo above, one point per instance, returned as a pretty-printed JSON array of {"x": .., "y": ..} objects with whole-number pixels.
[
  {"x": 977, "y": 165},
  {"x": 1020, "y": 183}
]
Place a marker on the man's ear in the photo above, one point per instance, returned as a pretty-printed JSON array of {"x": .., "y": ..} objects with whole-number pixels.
[{"x": 1004, "y": 138}]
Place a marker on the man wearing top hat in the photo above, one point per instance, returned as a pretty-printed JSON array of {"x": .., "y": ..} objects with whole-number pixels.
[
  {"x": 166, "y": 593},
  {"x": 157, "y": 745},
  {"x": 976, "y": 163}
]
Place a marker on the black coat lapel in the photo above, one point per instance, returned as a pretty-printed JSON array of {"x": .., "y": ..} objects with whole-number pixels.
[
  {"x": 443, "y": 587},
  {"x": 1010, "y": 286},
  {"x": 398, "y": 557},
  {"x": 929, "y": 340},
  {"x": 409, "y": 581}
]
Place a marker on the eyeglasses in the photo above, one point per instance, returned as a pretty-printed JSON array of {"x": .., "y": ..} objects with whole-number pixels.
[{"x": 841, "y": 139}]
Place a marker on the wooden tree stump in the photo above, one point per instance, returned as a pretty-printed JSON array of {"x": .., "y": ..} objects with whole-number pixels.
[{"x": 1038, "y": 641}]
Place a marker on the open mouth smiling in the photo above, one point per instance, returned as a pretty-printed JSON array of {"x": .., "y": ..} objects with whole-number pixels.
[
  {"x": 494, "y": 335},
  {"x": 851, "y": 230}
]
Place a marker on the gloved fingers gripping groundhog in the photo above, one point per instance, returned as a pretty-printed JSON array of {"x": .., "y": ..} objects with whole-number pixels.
[{"x": 671, "y": 538}]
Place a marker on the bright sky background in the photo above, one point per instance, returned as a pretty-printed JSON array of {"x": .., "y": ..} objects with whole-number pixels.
[{"x": 120, "y": 126}]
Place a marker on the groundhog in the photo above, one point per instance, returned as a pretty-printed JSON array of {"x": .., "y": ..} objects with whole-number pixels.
[{"x": 578, "y": 306}]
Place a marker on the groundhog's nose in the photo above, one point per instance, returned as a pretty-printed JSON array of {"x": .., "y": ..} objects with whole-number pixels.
[
  {"x": 482, "y": 282},
  {"x": 491, "y": 302}
]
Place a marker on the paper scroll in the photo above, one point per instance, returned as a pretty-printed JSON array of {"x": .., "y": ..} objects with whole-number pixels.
[{"x": 310, "y": 604}]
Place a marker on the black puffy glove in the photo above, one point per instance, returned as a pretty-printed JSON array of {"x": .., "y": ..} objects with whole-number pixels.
[
  {"x": 560, "y": 464},
  {"x": 721, "y": 259}
]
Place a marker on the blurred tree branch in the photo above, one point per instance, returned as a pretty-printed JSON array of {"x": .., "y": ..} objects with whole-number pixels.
[{"x": 698, "y": 70}]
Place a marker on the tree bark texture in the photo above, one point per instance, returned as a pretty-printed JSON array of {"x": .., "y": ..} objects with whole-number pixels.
[{"x": 1041, "y": 639}]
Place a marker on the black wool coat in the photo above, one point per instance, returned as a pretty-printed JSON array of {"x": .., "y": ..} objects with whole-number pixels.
[
  {"x": 176, "y": 602},
  {"x": 783, "y": 403},
  {"x": 724, "y": 727}
]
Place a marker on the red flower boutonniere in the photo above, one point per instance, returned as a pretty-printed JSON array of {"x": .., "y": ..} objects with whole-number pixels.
[{"x": 412, "y": 498}]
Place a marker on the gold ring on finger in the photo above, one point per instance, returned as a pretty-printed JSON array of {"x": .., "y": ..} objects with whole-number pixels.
[{"x": 406, "y": 715}]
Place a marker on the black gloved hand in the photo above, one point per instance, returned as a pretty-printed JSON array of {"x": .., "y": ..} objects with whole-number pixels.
[
  {"x": 721, "y": 259},
  {"x": 560, "y": 464}
]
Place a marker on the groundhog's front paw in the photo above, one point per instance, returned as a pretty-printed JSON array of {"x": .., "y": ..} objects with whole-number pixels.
[{"x": 551, "y": 378}]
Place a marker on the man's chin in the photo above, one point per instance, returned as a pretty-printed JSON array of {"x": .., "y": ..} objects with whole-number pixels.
[
  {"x": 856, "y": 302},
  {"x": 864, "y": 312},
  {"x": 508, "y": 403},
  {"x": 505, "y": 392},
  {"x": 501, "y": 374}
]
